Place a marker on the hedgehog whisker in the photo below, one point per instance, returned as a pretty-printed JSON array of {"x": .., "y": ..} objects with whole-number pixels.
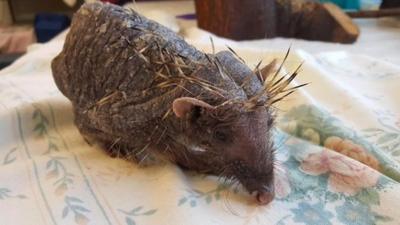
[
  {"x": 130, "y": 156},
  {"x": 114, "y": 143},
  {"x": 227, "y": 199},
  {"x": 279, "y": 168},
  {"x": 143, "y": 158}
]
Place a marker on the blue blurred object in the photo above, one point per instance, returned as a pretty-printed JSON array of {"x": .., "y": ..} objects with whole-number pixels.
[
  {"x": 189, "y": 16},
  {"x": 48, "y": 25},
  {"x": 345, "y": 4},
  {"x": 371, "y": 4}
]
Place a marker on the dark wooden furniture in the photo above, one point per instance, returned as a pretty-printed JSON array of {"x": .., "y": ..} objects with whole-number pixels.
[
  {"x": 255, "y": 19},
  {"x": 24, "y": 11},
  {"x": 390, "y": 4}
]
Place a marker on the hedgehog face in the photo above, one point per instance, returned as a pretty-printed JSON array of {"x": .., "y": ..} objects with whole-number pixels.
[{"x": 231, "y": 142}]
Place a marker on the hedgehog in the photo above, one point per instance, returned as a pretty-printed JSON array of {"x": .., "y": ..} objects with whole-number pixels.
[{"x": 140, "y": 91}]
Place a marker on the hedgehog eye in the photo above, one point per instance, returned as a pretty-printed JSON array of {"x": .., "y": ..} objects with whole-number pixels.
[
  {"x": 196, "y": 113},
  {"x": 220, "y": 135}
]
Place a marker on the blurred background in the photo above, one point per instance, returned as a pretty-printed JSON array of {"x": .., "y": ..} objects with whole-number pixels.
[{"x": 23, "y": 22}]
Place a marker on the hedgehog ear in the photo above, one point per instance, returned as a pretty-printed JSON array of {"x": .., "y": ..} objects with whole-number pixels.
[{"x": 184, "y": 105}]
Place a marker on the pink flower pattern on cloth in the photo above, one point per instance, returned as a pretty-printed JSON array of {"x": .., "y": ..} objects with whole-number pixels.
[{"x": 345, "y": 175}]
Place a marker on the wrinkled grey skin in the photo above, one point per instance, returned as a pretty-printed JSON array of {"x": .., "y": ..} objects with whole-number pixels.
[{"x": 108, "y": 69}]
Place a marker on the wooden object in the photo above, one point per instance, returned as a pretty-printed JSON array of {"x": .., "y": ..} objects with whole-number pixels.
[
  {"x": 237, "y": 19},
  {"x": 375, "y": 13},
  {"x": 390, "y": 4},
  {"x": 24, "y": 11},
  {"x": 255, "y": 19}
]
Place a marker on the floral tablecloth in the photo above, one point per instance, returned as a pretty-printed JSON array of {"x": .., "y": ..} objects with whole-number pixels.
[{"x": 338, "y": 143}]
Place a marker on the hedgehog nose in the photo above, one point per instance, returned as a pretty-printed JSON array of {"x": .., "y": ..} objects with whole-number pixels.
[{"x": 264, "y": 197}]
